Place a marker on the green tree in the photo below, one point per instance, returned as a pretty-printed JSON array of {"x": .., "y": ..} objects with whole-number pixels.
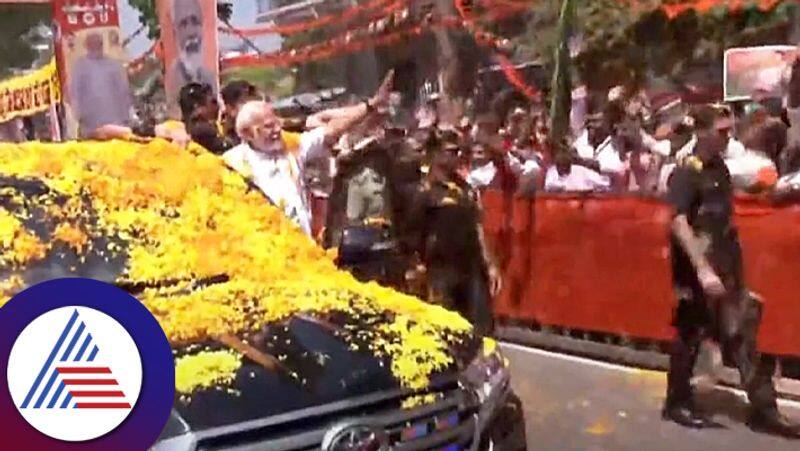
[
  {"x": 16, "y": 21},
  {"x": 626, "y": 44},
  {"x": 561, "y": 86},
  {"x": 148, "y": 16},
  {"x": 276, "y": 82}
]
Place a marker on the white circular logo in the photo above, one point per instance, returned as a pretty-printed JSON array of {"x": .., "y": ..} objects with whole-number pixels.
[{"x": 74, "y": 374}]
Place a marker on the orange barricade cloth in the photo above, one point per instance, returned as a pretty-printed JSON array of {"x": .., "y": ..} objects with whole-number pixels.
[
  {"x": 601, "y": 264},
  {"x": 770, "y": 239},
  {"x": 515, "y": 277}
]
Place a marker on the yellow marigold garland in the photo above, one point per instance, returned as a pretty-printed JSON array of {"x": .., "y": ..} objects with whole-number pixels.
[
  {"x": 205, "y": 369},
  {"x": 186, "y": 217},
  {"x": 18, "y": 246},
  {"x": 10, "y": 286},
  {"x": 73, "y": 236}
]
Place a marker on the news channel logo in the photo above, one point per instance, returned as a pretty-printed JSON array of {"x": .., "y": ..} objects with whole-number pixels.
[{"x": 87, "y": 367}]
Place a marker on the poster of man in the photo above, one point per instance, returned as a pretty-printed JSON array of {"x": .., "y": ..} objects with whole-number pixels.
[
  {"x": 98, "y": 84},
  {"x": 92, "y": 60},
  {"x": 189, "y": 34},
  {"x": 757, "y": 72}
]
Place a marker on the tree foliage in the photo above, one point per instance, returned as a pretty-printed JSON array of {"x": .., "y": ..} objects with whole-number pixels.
[
  {"x": 15, "y": 22},
  {"x": 148, "y": 16},
  {"x": 625, "y": 44},
  {"x": 276, "y": 82},
  {"x": 561, "y": 86}
]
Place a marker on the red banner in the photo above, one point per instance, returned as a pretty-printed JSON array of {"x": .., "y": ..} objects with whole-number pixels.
[{"x": 76, "y": 15}]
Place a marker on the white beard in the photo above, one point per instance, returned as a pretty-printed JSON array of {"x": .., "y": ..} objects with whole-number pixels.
[{"x": 192, "y": 62}]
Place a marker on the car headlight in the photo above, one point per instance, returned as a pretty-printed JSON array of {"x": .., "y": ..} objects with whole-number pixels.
[{"x": 487, "y": 374}]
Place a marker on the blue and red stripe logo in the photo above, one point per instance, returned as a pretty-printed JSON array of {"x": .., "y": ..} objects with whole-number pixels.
[
  {"x": 74, "y": 381},
  {"x": 75, "y": 354}
]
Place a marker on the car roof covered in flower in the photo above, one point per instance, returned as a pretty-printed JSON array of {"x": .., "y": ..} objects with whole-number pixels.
[{"x": 208, "y": 256}]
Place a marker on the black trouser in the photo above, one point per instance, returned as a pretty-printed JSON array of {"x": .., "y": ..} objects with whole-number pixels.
[
  {"x": 732, "y": 321},
  {"x": 465, "y": 289},
  {"x": 386, "y": 267}
]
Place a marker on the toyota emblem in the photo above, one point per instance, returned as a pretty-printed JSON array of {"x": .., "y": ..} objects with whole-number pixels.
[{"x": 355, "y": 436}]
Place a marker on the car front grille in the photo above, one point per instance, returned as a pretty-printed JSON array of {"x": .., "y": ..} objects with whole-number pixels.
[{"x": 448, "y": 423}]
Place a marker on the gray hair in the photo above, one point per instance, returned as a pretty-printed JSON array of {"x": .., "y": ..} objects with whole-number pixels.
[{"x": 249, "y": 113}]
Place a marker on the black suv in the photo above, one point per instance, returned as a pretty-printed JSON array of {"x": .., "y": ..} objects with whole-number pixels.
[{"x": 309, "y": 373}]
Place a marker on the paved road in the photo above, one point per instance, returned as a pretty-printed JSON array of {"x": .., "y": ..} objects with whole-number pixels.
[{"x": 578, "y": 404}]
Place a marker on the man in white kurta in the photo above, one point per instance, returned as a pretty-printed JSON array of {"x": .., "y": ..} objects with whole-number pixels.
[{"x": 275, "y": 161}]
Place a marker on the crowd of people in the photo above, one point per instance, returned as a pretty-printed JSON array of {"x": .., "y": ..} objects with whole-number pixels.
[
  {"x": 402, "y": 196},
  {"x": 401, "y": 190},
  {"x": 404, "y": 209},
  {"x": 403, "y": 202}
]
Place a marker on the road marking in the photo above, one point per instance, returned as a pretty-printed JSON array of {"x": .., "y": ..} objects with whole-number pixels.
[
  {"x": 573, "y": 358},
  {"x": 625, "y": 369}
]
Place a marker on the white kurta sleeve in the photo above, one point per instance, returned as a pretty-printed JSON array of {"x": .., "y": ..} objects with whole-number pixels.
[
  {"x": 552, "y": 181},
  {"x": 610, "y": 162},
  {"x": 312, "y": 145}
]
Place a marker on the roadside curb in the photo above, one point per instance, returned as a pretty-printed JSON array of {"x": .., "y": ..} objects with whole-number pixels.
[{"x": 647, "y": 359}]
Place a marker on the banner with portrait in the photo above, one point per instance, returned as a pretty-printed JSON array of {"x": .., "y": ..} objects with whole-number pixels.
[
  {"x": 190, "y": 43},
  {"x": 29, "y": 94},
  {"x": 757, "y": 72},
  {"x": 92, "y": 59}
]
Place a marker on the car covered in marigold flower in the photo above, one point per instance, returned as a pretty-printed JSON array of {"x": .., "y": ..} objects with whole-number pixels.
[{"x": 275, "y": 348}]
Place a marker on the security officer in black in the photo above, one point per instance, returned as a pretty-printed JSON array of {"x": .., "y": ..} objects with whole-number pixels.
[
  {"x": 713, "y": 299},
  {"x": 460, "y": 273}
]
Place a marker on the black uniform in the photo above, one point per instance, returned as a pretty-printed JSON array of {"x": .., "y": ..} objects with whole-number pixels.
[
  {"x": 452, "y": 253},
  {"x": 703, "y": 193}
]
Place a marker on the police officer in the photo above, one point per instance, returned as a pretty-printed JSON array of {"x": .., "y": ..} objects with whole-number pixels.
[
  {"x": 368, "y": 201},
  {"x": 460, "y": 273},
  {"x": 713, "y": 300}
]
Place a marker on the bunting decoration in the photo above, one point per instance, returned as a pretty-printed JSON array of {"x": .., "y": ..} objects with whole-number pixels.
[
  {"x": 137, "y": 64},
  {"x": 373, "y": 9},
  {"x": 386, "y": 31},
  {"x": 489, "y": 40},
  {"x": 673, "y": 10},
  {"x": 391, "y": 28}
]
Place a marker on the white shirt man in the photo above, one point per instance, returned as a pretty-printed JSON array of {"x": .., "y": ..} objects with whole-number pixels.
[
  {"x": 275, "y": 161},
  {"x": 482, "y": 176},
  {"x": 606, "y": 155},
  {"x": 280, "y": 174},
  {"x": 576, "y": 178}
]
